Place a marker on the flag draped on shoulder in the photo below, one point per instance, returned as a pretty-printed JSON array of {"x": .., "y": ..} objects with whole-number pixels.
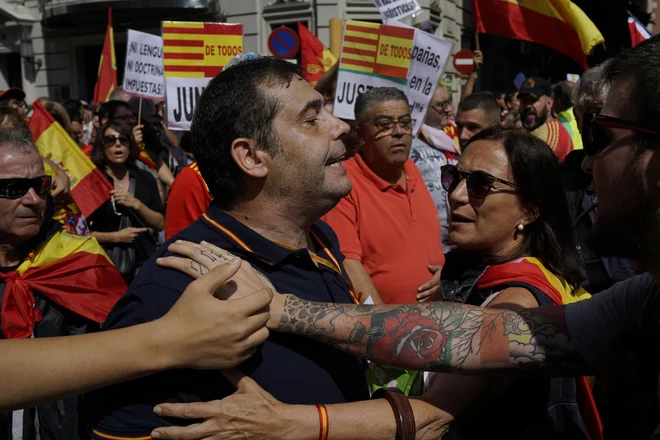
[
  {"x": 107, "y": 76},
  {"x": 315, "y": 58},
  {"x": 72, "y": 271},
  {"x": 638, "y": 32},
  {"x": 531, "y": 271},
  {"x": 559, "y": 24},
  {"x": 89, "y": 187}
]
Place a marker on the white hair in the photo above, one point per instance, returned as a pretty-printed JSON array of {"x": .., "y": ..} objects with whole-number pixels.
[{"x": 593, "y": 87}]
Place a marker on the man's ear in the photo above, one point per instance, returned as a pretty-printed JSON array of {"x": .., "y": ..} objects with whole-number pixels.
[
  {"x": 358, "y": 130},
  {"x": 249, "y": 158}
]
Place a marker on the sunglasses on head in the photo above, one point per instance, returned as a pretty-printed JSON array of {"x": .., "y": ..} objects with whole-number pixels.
[
  {"x": 479, "y": 183},
  {"x": 111, "y": 140},
  {"x": 19, "y": 187},
  {"x": 596, "y": 136}
]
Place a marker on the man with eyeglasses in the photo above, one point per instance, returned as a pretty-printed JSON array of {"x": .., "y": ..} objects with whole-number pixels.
[
  {"x": 388, "y": 224},
  {"x": 51, "y": 283}
]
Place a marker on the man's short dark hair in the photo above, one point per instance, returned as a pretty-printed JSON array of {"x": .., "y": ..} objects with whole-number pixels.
[
  {"x": 562, "y": 92},
  {"x": 508, "y": 98},
  {"x": 17, "y": 139},
  {"x": 641, "y": 65},
  {"x": 485, "y": 102},
  {"x": 366, "y": 100},
  {"x": 235, "y": 105}
]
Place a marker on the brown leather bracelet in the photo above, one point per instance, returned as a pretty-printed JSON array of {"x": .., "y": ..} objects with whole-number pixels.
[{"x": 403, "y": 413}]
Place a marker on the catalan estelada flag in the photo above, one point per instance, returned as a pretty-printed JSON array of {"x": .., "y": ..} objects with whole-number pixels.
[
  {"x": 89, "y": 187},
  {"x": 377, "y": 50},
  {"x": 72, "y": 271},
  {"x": 107, "y": 76},
  {"x": 530, "y": 272},
  {"x": 559, "y": 24},
  {"x": 315, "y": 58},
  {"x": 199, "y": 50}
]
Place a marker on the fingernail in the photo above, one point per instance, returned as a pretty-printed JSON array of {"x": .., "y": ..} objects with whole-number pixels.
[
  {"x": 158, "y": 410},
  {"x": 155, "y": 434},
  {"x": 158, "y": 260},
  {"x": 234, "y": 260}
]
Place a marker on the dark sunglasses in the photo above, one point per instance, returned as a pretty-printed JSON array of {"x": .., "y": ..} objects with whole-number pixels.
[
  {"x": 111, "y": 140},
  {"x": 596, "y": 137},
  {"x": 18, "y": 187},
  {"x": 479, "y": 183}
]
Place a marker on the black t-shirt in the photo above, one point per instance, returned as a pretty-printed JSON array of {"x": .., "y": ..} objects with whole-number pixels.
[{"x": 618, "y": 332}]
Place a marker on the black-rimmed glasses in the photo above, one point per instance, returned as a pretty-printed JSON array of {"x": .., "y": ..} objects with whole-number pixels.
[
  {"x": 596, "y": 138},
  {"x": 17, "y": 187},
  {"x": 479, "y": 183}
]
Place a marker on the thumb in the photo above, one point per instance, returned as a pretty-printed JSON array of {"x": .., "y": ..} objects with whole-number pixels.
[
  {"x": 241, "y": 382},
  {"x": 219, "y": 275}
]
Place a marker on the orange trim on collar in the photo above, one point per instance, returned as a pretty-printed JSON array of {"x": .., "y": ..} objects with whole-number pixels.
[{"x": 113, "y": 437}]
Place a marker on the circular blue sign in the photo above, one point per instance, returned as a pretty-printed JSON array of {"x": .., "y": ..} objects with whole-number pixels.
[{"x": 283, "y": 43}]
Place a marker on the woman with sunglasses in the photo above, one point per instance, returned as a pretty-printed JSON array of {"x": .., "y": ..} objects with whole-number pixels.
[
  {"x": 134, "y": 201},
  {"x": 510, "y": 224}
]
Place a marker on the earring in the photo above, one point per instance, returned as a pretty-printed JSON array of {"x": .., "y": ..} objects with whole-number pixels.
[{"x": 521, "y": 226}]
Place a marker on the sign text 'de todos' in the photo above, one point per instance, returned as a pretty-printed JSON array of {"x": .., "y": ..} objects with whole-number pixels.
[
  {"x": 377, "y": 55},
  {"x": 194, "y": 53}
]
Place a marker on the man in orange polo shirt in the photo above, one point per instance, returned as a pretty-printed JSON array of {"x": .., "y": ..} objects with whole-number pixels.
[{"x": 388, "y": 226}]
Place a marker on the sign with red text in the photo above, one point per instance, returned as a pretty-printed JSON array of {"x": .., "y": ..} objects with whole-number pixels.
[
  {"x": 378, "y": 55},
  {"x": 193, "y": 54}
]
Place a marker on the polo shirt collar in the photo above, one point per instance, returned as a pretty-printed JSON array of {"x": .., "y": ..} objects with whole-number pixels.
[
  {"x": 383, "y": 185},
  {"x": 250, "y": 241}
]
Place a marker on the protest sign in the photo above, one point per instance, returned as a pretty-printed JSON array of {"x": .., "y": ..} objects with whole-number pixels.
[
  {"x": 393, "y": 10},
  {"x": 377, "y": 55},
  {"x": 143, "y": 72},
  {"x": 194, "y": 53}
]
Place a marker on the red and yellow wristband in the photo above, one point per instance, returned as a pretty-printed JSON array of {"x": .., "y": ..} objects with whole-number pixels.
[{"x": 324, "y": 422}]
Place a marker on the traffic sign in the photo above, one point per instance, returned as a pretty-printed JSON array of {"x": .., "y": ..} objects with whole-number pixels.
[
  {"x": 464, "y": 61},
  {"x": 283, "y": 43}
]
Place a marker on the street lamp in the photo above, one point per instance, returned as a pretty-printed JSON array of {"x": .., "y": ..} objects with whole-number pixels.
[{"x": 27, "y": 51}]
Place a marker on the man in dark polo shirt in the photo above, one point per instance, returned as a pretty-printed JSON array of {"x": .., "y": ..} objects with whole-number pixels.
[{"x": 271, "y": 156}]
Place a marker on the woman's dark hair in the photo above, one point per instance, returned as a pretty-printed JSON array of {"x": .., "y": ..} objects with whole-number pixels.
[
  {"x": 98, "y": 149},
  {"x": 536, "y": 171}
]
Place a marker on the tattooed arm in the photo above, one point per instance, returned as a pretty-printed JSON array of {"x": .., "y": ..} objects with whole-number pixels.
[{"x": 436, "y": 336}]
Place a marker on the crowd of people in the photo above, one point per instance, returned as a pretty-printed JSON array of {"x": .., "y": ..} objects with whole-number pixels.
[{"x": 347, "y": 268}]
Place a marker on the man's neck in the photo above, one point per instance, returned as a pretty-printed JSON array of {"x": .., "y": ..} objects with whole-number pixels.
[
  {"x": 275, "y": 222},
  {"x": 389, "y": 173},
  {"x": 10, "y": 255}
]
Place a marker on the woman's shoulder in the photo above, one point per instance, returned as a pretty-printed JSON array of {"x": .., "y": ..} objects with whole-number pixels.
[{"x": 141, "y": 174}]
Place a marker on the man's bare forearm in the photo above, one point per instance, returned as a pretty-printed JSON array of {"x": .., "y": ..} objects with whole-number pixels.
[{"x": 439, "y": 336}]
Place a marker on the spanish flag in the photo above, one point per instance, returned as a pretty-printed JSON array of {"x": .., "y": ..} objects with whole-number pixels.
[
  {"x": 558, "y": 24},
  {"x": 107, "y": 76},
  {"x": 315, "y": 58},
  {"x": 531, "y": 272},
  {"x": 89, "y": 188},
  {"x": 72, "y": 271}
]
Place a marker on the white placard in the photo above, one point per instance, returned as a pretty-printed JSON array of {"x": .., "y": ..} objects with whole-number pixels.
[
  {"x": 429, "y": 58},
  {"x": 393, "y": 10},
  {"x": 143, "y": 71},
  {"x": 182, "y": 97}
]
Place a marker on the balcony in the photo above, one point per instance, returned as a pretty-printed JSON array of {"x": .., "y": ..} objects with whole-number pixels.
[{"x": 125, "y": 13}]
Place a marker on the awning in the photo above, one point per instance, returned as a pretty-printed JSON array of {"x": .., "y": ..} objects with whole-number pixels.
[{"x": 19, "y": 13}]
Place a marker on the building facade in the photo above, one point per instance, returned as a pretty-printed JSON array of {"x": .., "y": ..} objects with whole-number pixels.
[{"x": 52, "y": 47}]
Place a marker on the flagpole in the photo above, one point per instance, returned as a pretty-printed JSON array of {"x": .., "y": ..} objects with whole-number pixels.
[{"x": 140, "y": 111}]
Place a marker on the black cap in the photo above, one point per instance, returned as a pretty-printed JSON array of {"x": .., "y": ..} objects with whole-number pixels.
[
  {"x": 12, "y": 93},
  {"x": 536, "y": 87},
  {"x": 148, "y": 109}
]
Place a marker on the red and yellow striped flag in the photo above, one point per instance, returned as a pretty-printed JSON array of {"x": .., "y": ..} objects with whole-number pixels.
[
  {"x": 70, "y": 270},
  {"x": 377, "y": 49},
  {"x": 89, "y": 187},
  {"x": 315, "y": 58},
  {"x": 107, "y": 76},
  {"x": 199, "y": 50},
  {"x": 559, "y": 24}
]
